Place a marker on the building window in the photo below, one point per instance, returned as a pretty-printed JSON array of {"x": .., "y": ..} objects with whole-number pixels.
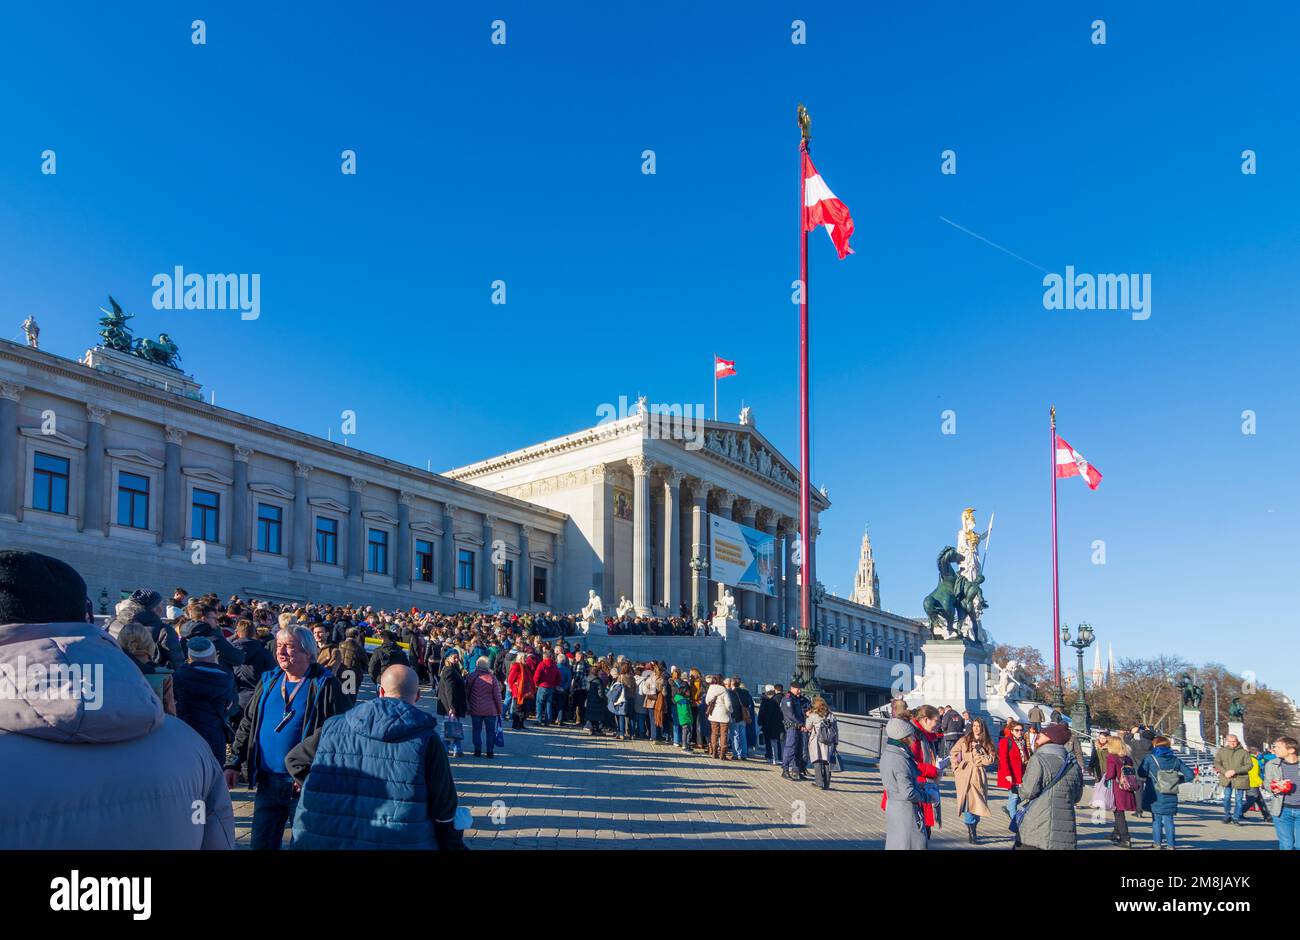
[
  {"x": 132, "y": 500},
  {"x": 50, "y": 483},
  {"x": 377, "y": 552},
  {"x": 539, "y": 585},
  {"x": 464, "y": 569},
  {"x": 506, "y": 579},
  {"x": 327, "y": 540},
  {"x": 205, "y": 516},
  {"x": 269, "y": 521},
  {"x": 424, "y": 561}
]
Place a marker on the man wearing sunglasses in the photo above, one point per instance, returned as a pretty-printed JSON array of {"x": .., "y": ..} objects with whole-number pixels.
[{"x": 289, "y": 703}]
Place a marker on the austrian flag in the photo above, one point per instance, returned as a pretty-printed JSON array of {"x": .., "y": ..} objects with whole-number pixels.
[
  {"x": 1069, "y": 463},
  {"x": 820, "y": 207},
  {"x": 723, "y": 367}
]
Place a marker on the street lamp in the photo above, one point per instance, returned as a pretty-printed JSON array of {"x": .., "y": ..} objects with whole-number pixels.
[
  {"x": 1078, "y": 714},
  {"x": 699, "y": 566}
]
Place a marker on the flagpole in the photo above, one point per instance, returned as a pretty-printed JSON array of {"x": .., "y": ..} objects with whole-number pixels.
[
  {"x": 715, "y": 386},
  {"x": 804, "y": 665},
  {"x": 1059, "y": 693}
]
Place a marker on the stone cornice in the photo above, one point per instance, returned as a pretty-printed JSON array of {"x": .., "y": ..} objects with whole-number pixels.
[{"x": 239, "y": 426}]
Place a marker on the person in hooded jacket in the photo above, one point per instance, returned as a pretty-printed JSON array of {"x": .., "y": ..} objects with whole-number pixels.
[
  {"x": 146, "y": 607},
  {"x": 1162, "y": 801},
  {"x": 205, "y": 695},
  {"x": 376, "y": 777},
  {"x": 67, "y": 758}
]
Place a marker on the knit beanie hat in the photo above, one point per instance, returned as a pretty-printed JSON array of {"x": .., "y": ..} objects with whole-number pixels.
[
  {"x": 899, "y": 728},
  {"x": 36, "y": 588}
]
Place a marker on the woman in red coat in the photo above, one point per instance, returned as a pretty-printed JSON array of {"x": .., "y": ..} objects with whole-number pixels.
[
  {"x": 1012, "y": 757},
  {"x": 924, "y": 750},
  {"x": 1117, "y": 759},
  {"x": 522, "y": 688}
]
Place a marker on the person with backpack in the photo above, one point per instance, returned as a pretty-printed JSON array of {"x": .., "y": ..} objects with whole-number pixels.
[
  {"x": 1052, "y": 785},
  {"x": 1121, "y": 776},
  {"x": 388, "y": 654},
  {"x": 205, "y": 694},
  {"x": 823, "y": 737},
  {"x": 1164, "y": 771}
]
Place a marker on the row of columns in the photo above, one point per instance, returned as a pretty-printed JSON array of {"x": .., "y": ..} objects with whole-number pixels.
[
  {"x": 753, "y": 605},
  {"x": 174, "y": 534}
]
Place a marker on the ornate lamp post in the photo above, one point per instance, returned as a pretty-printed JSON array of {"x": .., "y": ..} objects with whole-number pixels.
[
  {"x": 103, "y": 601},
  {"x": 1079, "y": 717},
  {"x": 805, "y": 650},
  {"x": 699, "y": 566}
]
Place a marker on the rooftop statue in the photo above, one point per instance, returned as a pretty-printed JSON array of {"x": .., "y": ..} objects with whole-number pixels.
[
  {"x": 113, "y": 327},
  {"x": 162, "y": 352}
]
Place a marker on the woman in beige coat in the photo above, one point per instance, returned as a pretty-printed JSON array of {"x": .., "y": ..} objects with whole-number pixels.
[{"x": 971, "y": 755}]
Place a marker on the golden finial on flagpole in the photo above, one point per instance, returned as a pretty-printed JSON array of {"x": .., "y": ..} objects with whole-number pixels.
[
  {"x": 1053, "y": 412},
  {"x": 805, "y": 123}
]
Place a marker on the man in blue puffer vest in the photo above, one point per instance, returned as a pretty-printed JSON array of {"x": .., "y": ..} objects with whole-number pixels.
[{"x": 376, "y": 777}]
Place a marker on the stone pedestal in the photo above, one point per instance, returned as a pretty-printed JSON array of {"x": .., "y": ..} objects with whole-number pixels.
[
  {"x": 722, "y": 624},
  {"x": 956, "y": 674},
  {"x": 1192, "y": 732},
  {"x": 1239, "y": 729},
  {"x": 141, "y": 370},
  {"x": 594, "y": 628}
]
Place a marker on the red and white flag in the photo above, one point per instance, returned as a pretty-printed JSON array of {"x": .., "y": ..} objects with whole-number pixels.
[
  {"x": 723, "y": 367},
  {"x": 820, "y": 207},
  {"x": 1069, "y": 463}
]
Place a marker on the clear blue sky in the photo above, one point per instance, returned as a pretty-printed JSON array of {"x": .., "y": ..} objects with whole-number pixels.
[{"x": 523, "y": 163}]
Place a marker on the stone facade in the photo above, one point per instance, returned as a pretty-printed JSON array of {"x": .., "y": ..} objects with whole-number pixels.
[{"x": 151, "y": 487}]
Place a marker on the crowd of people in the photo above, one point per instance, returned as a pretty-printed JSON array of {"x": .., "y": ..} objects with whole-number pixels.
[
  {"x": 1040, "y": 766},
  {"x": 198, "y": 693}
]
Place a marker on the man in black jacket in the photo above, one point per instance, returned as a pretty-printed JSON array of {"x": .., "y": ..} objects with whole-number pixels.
[
  {"x": 953, "y": 727},
  {"x": 287, "y": 705},
  {"x": 257, "y": 661},
  {"x": 1140, "y": 747},
  {"x": 205, "y": 624},
  {"x": 204, "y": 695},
  {"x": 771, "y": 723},
  {"x": 792, "y": 716}
]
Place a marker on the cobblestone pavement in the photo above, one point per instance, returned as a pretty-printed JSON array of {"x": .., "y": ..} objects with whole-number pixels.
[{"x": 561, "y": 788}]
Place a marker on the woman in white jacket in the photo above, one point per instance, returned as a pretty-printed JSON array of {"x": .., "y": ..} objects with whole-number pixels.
[{"x": 717, "y": 702}]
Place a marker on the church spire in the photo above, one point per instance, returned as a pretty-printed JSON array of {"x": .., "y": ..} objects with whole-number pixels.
[{"x": 866, "y": 585}]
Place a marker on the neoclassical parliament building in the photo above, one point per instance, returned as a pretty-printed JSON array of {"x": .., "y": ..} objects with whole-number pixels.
[{"x": 120, "y": 468}]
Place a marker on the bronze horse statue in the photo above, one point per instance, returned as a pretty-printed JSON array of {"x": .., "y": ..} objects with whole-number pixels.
[{"x": 954, "y": 599}]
